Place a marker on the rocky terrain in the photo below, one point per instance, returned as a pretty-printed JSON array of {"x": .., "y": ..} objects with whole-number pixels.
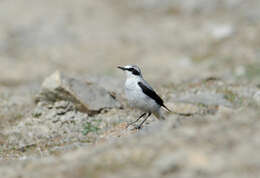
[{"x": 62, "y": 107}]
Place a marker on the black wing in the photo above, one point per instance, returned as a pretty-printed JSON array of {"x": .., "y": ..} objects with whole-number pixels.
[{"x": 149, "y": 92}]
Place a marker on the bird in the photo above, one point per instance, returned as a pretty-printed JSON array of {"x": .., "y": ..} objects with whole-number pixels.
[{"x": 140, "y": 95}]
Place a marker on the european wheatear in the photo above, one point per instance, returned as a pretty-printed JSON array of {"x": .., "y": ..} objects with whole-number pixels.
[{"x": 140, "y": 94}]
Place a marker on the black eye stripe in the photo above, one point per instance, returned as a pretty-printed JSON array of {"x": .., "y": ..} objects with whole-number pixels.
[
  {"x": 130, "y": 69},
  {"x": 134, "y": 71}
]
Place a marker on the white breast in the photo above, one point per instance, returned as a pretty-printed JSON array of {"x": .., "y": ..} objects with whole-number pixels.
[{"x": 136, "y": 97}]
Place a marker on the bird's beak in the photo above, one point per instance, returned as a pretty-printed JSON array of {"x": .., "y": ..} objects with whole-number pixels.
[{"x": 122, "y": 68}]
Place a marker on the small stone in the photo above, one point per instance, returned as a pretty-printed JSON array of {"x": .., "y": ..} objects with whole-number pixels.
[
  {"x": 257, "y": 97},
  {"x": 221, "y": 31}
]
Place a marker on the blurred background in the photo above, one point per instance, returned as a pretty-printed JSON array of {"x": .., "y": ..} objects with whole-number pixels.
[{"x": 170, "y": 39}]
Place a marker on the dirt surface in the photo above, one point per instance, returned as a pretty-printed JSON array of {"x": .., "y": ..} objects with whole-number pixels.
[{"x": 201, "y": 56}]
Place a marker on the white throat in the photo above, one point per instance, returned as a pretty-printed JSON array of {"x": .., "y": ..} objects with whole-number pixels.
[{"x": 130, "y": 76}]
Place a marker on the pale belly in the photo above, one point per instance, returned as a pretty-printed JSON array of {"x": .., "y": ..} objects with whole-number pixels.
[{"x": 137, "y": 99}]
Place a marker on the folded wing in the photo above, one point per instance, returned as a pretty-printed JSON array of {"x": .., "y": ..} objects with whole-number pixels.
[{"x": 152, "y": 94}]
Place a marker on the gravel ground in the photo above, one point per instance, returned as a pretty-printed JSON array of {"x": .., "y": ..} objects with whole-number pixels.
[{"x": 201, "y": 56}]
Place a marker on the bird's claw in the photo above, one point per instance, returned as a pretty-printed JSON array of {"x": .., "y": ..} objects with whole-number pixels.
[{"x": 138, "y": 127}]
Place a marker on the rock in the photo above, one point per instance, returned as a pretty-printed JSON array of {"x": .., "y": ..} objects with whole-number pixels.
[
  {"x": 61, "y": 124},
  {"x": 221, "y": 31},
  {"x": 87, "y": 97},
  {"x": 257, "y": 97}
]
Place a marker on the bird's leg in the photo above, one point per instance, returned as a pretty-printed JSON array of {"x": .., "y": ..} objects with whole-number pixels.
[
  {"x": 136, "y": 120},
  {"x": 140, "y": 126}
]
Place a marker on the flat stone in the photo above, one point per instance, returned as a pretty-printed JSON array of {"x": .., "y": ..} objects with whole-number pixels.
[{"x": 88, "y": 97}]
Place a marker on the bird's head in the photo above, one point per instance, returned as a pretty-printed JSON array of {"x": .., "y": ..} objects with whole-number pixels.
[{"x": 131, "y": 71}]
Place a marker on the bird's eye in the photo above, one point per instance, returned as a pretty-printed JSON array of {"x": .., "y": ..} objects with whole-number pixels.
[{"x": 135, "y": 72}]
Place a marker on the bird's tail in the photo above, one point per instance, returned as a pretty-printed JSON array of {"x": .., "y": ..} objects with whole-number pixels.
[{"x": 166, "y": 108}]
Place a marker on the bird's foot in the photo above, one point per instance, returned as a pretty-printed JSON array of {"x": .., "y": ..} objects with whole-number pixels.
[
  {"x": 134, "y": 127},
  {"x": 138, "y": 127}
]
